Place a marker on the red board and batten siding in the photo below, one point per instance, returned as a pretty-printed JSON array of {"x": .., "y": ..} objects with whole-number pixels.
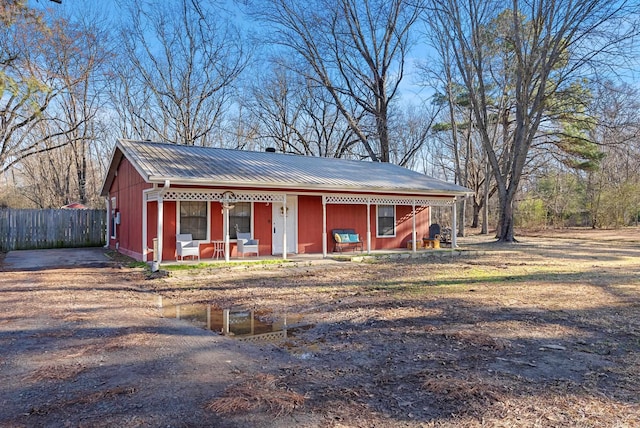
[
  {"x": 347, "y": 217},
  {"x": 152, "y": 226},
  {"x": 127, "y": 188},
  {"x": 262, "y": 226},
  {"x": 168, "y": 229},
  {"x": 355, "y": 217},
  {"x": 262, "y": 229},
  {"x": 309, "y": 224},
  {"x": 169, "y": 225},
  {"x": 404, "y": 227}
]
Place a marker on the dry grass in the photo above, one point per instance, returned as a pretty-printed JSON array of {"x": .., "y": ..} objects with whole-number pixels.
[
  {"x": 76, "y": 317},
  {"x": 96, "y": 397},
  {"x": 126, "y": 341},
  {"x": 539, "y": 334},
  {"x": 55, "y": 372},
  {"x": 476, "y": 338},
  {"x": 472, "y": 392},
  {"x": 107, "y": 394},
  {"x": 260, "y": 392}
]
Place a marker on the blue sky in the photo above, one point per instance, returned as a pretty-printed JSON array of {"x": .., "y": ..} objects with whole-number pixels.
[
  {"x": 411, "y": 91},
  {"x": 114, "y": 10}
]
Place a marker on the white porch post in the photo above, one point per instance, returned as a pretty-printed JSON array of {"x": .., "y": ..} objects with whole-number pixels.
[
  {"x": 107, "y": 201},
  {"x": 324, "y": 226},
  {"x": 368, "y": 226},
  {"x": 227, "y": 246},
  {"x": 145, "y": 248},
  {"x": 159, "y": 230},
  {"x": 413, "y": 232},
  {"x": 284, "y": 227},
  {"x": 454, "y": 226}
]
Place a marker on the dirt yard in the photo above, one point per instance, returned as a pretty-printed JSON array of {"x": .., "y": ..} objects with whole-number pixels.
[{"x": 542, "y": 333}]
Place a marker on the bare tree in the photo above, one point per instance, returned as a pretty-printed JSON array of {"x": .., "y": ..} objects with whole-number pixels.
[
  {"x": 548, "y": 44},
  {"x": 62, "y": 172},
  {"x": 82, "y": 57},
  {"x": 613, "y": 191},
  {"x": 300, "y": 117},
  {"x": 411, "y": 129},
  {"x": 354, "y": 49},
  {"x": 45, "y": 64},
  {"x": 457, "y": 129},
  {"x": 181, "y": 60}
]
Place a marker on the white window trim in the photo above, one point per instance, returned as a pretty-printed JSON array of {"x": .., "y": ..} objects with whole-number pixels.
[
  {"x": 113, "y": 234},
  {"x": 208, "y": 238},
  {"x": 395, "y": 217}
]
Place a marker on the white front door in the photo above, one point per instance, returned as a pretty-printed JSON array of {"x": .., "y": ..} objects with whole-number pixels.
[{"x": 277, "y": 215}]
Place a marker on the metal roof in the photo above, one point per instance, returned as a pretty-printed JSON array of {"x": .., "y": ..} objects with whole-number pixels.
[{"x": 192, "y": 165}]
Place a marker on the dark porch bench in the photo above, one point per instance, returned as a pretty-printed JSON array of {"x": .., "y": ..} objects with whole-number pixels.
[{"x": 346, "y": 238}]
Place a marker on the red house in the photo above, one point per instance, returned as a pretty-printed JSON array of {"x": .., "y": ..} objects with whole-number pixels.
[{"x": 289, "y": 203}]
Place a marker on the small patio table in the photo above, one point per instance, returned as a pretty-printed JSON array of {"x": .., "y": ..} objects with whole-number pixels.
[{"x": 218, "y": 249}]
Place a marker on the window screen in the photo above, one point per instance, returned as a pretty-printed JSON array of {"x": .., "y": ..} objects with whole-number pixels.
[
  {"x": 193, "y": 219},
  {"x": 240, "y": 219},
  {"x": 386, "y": 220}
]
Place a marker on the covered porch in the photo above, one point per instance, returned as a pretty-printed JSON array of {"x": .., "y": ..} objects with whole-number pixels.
[{"x": 287, "y": 224}]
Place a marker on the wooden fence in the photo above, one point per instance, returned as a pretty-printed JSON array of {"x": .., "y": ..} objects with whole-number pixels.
[{"x": 51, "y": 228}]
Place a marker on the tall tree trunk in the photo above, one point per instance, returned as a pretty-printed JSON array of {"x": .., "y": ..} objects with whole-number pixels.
[
  {"x": 461, "y": 216},
  {"x": 475, "y": 221},
  {"x": 82, "y": 176},
  {"x": 382, "y": 125},
  {"x": 505, "y": 230},
  {"x": 485, "y": 217}
]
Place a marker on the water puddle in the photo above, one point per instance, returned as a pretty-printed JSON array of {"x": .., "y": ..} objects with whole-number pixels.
[{"x": 248, "y": 325}]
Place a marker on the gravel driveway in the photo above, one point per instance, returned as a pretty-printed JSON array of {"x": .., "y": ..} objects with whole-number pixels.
[{"x": 30, "y": 260}]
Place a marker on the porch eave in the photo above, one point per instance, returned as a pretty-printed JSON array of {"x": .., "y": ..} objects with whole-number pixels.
[{"x": 276, "y": 187}]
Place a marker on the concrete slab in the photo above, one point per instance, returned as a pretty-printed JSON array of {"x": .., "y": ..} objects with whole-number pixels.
[{"x": 59, "y": 258}]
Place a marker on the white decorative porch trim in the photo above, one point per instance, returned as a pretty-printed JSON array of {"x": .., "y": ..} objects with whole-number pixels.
[
  {"x": 174, "y": 194},
  {"x": 386, "y": 200},
  {"x": 218, "y": 195}
]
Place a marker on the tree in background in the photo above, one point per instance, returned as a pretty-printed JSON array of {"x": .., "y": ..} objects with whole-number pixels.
[
  {"x": 523, "y": 57},
  {"x": 175, "y": 79},
  {"x": 411, "y": 129},
  {"x": 466, "y": 154},
  {"x": 613, "y": 191},
  {"x": 575, "y": 191},
  {"x": 521, "y": 85},
  {"x": 355, "y": 50},
  {"x": 50, "y": 137},
  {"x": 299, "y": 117},
  {"x": 28, "y": 84}
]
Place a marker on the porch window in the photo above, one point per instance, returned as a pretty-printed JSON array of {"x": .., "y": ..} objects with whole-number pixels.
[
  {"x": 240, "y": 219},
  {"x": 386, "y": 224},
  {"x": 193, "y": 219}
]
